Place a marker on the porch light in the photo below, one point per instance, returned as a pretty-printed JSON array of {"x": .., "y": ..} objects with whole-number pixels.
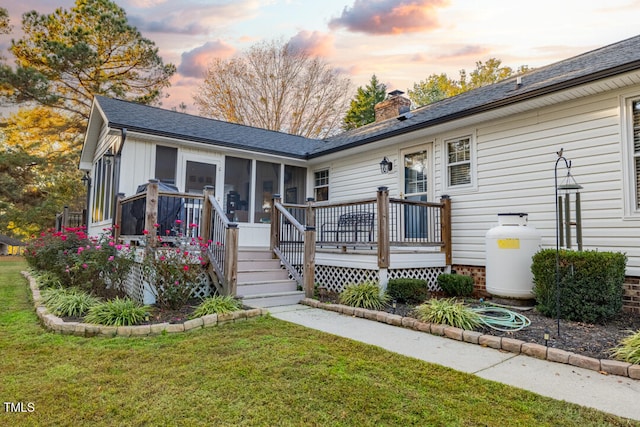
[
  {"x": 385, "y": 165},
  {"x": 85, "y": 178},
  {"x": 108, "y": 156}
]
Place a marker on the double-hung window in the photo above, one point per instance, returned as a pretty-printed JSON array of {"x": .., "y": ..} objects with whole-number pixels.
[
  {"x": 321, "y": 185},
  {"x": 632, "y": 152},
  {"x": 458, "y": 157}
]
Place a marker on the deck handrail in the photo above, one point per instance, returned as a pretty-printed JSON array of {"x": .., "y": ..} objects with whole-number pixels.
[
  {"x": 294, "y": 244},
  {"x": 222, "y": 244}
]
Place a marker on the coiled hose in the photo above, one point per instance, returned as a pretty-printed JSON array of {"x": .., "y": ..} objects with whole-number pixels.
[{"x": 502, "y": 319}]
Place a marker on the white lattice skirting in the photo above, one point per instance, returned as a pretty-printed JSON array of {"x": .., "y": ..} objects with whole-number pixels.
[
  {"x": 335, "y": 279},
  {"x": 138, "y": 286}
]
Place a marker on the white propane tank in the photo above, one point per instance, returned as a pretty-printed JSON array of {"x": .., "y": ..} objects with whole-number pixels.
[{"x": 509, "y": 248}]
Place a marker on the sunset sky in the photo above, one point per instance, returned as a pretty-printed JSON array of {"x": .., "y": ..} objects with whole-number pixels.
[{"x": 401, "y": 41}]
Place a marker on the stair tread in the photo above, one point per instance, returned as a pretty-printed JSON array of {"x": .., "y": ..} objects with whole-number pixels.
[
  {"x": 272, "y": 294},
  {"x": 266, "y": 282}
]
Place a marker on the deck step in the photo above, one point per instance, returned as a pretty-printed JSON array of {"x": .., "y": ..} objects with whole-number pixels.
[
  {"x": 257, "y": 288},
  {"x": 262, "y": 275},
  {"x": 262, "y": 282},
  {"x": 274, "y": 299}
]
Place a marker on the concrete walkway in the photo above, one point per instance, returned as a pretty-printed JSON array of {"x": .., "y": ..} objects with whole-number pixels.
[{"x": 609, "y": 393}]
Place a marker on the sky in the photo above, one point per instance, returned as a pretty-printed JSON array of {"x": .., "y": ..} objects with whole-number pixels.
[{"x": 400, "y": 41}]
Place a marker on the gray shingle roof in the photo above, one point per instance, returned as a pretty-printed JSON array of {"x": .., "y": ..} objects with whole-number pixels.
[
  {"x": 156, "y": 121},
  {"x": 601, "y": 63},
  {"x": 607, "y": 61},
  {"x": 10, "y": 241}
]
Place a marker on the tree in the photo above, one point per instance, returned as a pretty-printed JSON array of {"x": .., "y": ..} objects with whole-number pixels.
[
  {"x": 433, "y": 89},
  {"x": 274, "y": 86},
  {"x": 37, "y": 147},
  {"x": 67, "y": 57},
  {"x": 361, "y": 111},
  {"x": 5, "y": 26},
  {"x": 439, "y": 86}
]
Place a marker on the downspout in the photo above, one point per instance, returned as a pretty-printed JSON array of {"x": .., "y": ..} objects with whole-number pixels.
[{"x": 116, "y": 174}]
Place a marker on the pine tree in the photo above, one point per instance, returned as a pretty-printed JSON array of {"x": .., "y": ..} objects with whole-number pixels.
[{"x": 361, "y": 111}]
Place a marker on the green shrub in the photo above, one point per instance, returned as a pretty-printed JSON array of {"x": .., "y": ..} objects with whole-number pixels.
[
  {"x": 629, "y": 349},
  {"x": 591, "y": 284},
  {"x": 47, "y": 279},
  {"x": 365, "y": 295},
  {"x": 456, "y": 285},
  {"x": 448, "y": 311},
  {"x": 217, "y": 304},
  {"x": 117, "y": 312},
  {"x": 412, "y": 291},
  {"x": 71, "y": 302}
]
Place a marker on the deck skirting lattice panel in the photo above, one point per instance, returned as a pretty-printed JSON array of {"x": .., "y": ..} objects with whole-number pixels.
[
  {"x": 428, "y": 274},
  {"x": 334, "y": 278}
]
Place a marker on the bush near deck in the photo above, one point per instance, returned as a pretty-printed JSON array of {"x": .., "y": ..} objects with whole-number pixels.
[{"x": 591, "y": 284}]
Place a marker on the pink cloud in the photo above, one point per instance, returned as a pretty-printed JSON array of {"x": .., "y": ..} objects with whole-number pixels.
[
  {"x": 312, "y": 43},
  {"x": 467, "y": 51},
  {"x": 194, "y": 62},
  {"x": 390, "y": 16}
]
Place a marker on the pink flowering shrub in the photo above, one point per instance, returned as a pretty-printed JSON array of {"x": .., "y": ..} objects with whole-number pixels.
[
  {"x": 96, "y": 265},
  {"x": 174, "y": 269}
]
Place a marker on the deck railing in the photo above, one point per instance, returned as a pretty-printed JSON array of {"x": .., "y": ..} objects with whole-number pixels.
[
  {"x": 67, "y": 219},
  {"x": 294, "y": 243},
  {"x": 222, "y": 242},
  {"x": 159, "y": 215}
]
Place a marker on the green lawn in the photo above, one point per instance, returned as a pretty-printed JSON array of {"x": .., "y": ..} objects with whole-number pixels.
[{"x": 258, "y": 372}]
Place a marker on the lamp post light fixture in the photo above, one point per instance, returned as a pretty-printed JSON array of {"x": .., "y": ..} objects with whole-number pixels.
[
  {"x": 569, "y": 185},
  {"x": 385, "y": 165}
]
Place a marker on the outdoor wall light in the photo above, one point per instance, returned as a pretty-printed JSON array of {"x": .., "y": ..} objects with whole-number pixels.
[
  {"x": 385, "y": 165},
  {"x": 108, "y": 156}
]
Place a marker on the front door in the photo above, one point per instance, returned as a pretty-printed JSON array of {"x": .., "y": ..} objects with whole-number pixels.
[{"x": 416, "y": 188}]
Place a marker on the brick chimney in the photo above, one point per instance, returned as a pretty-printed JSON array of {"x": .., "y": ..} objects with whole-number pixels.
[{"x": 393, "y": 106}]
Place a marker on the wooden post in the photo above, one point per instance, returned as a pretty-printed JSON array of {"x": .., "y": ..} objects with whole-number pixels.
[
  {"x": 207, "y": 212},
  {"x": 151, "y": 213},
  {"x": 231, "y": 259},
  {"x": 445, "y": 228},
  {"x": 383, "y": 227},
  {"x": 118, "y": 217},
  {"x": 311, "y": 212},
  {"x": 65, "y": 218},
  {"x": 275, "y": 225},
  {"x": 308, "y": 275}
]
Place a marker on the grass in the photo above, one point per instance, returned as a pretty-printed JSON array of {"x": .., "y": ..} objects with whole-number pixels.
[{"x": 257, "y": 372}]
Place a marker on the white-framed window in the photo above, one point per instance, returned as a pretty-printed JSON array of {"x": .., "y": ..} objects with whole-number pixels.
[
  {"x": 102, "y": 190},
  {"x": 458, "y": 155},
  {"x": 321, "y": 185},
  {"x": 631, "y": 154}
]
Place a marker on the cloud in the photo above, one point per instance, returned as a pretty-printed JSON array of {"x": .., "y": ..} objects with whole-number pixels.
[
  {"x": 473, "y": 51},
  {"x": 312, "y": 43},
  {"x": 191, "y": 18},
  {"x": 379, "y": 17},
  {"x": 194, "y": 62}
]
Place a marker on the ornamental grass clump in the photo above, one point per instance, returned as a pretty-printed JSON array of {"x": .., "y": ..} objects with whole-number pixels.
[
  {"x": 365, "y": 295},
  {"x": 217, "y": 304},
  {"x": 117, "y": 312},
  {"x": 448, "y": 311},
  {"x": 629, "y": 349},
  {"x": 68, "y": 302}
]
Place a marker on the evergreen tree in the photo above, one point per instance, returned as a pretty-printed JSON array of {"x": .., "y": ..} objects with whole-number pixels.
[{"x": 361, "y": 110}]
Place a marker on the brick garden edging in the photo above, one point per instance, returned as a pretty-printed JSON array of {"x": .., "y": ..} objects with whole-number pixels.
[
  {"x": 604, "y": 366},
  {"x": 58, "y": 325}
]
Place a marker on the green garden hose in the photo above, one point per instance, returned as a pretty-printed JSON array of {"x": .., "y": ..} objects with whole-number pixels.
[{"x": 502, "y": 319}]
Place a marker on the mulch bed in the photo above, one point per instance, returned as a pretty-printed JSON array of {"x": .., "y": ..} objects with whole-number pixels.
[{"x": 577, "y": 337}]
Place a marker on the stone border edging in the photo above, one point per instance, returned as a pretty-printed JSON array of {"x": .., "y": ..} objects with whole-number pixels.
[
  {"x": 58, "y": 325},
  {"x": 606, "y": 366}
]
